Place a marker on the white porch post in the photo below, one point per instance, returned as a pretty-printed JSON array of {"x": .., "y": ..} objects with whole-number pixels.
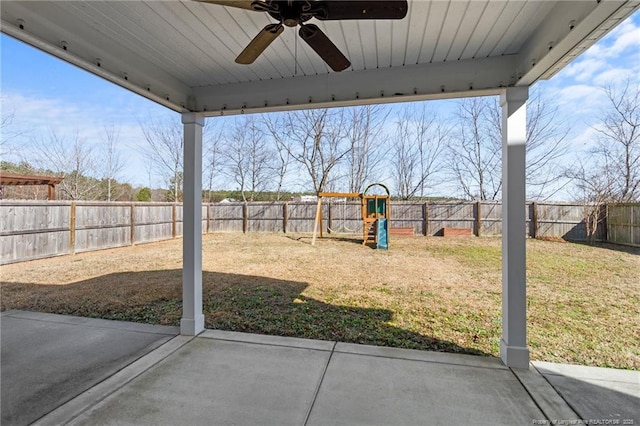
[
  {"x": 192, "y": 322},
  {"x": 513, "y": 346}
]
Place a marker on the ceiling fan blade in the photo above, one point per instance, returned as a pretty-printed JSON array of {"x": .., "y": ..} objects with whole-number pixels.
[
  {"x": 324, "y": 47},
  {"x": 259, "y": 43},
  {"x": 241, "y": 4},
  {"x": 360, "y": 9}
]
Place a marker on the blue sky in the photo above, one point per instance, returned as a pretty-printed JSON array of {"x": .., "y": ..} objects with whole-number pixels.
[{"x": 44, "y": 94}]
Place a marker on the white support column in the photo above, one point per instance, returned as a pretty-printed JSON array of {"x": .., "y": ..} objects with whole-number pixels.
[
  {"x": 513, "y": 346},
  {"x": 192, "y": 322}
]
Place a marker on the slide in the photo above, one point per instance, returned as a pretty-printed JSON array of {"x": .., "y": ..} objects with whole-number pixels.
[{"x": 382, "y": 238}]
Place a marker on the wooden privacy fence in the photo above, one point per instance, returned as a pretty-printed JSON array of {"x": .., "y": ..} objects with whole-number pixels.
[
  {"x": 623, "y": 224},
  {"x": 32, "y": 230}
]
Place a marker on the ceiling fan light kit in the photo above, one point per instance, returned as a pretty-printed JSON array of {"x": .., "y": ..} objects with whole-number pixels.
[{"x": 293, "y": 13}]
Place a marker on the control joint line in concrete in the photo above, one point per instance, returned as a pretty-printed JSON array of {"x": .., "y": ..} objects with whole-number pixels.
[
  {"x": 526, "y": 389},
  {"x": 317, "y": 391},
  {"x": 555, "y": 390},
  {"x": 548, "y": 400}
]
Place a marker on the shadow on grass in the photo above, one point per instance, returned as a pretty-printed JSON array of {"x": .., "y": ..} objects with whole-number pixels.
[
  {"x": 231, "y": 302},
  {"x": 610, "y": 246}
]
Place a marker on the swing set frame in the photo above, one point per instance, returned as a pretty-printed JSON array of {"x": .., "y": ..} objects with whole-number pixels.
[{"x": 369, "y": 216}]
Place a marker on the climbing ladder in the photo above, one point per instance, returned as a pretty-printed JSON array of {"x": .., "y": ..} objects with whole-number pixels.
[{"x": 370, "y": 231}]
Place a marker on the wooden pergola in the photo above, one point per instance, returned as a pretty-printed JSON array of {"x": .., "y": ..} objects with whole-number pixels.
[{"x": 9, "y": 179}]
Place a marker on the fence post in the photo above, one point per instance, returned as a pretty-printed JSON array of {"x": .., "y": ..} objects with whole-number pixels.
[
  {"x": 329, "y": 218},
  {"x": 534, "y": 219},
  {"x": 132, "y": 221},
  {"x": 72, "y": 228},
  {"x": 285, "y": 217},
  {"x": 425, "y": 218},
  {"x": 245, "y": 217},
  {"x": 206, "y": 231},
  {"x": 605, "y": 219},
  {"x": 321, "y": 219},
  {"x": 173, "y": 220},
  {"x": 478, "y": 217}
]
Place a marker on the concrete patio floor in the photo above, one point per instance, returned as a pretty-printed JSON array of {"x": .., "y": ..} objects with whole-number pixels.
[{"x": 69, "y": 370}]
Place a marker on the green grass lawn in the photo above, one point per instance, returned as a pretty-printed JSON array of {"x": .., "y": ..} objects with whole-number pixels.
[{"x": 582, "y": 301}]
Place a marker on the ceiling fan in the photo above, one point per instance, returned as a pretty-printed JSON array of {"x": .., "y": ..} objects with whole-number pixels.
[{"x": 292, "y": 13}]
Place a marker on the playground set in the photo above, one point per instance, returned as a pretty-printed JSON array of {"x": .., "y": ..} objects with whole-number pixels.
[{"x": 376, "y": 211}]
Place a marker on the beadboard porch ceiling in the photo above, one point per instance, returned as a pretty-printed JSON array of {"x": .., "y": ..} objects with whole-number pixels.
[{"x": 181, "y": 53}]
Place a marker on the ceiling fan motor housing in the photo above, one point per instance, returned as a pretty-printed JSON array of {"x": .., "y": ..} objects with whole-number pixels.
[{"x": 291, "y": 13}]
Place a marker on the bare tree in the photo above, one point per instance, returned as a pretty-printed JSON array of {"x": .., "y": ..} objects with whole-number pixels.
[
  {"x": 5, "y": 137},
  {"x": 546, "y": 144},
  {"x": 416, "y": 149},
  {"x": 72, "y": 158},
  {"x": 612, "y": 172},
  {"x": 282, "y": 159},
  {"x": 112, "y": 162},
  {"x": 248, "y": 157},
  {"x": 594, "y": 186},
  {"x": 9, "y": 135},
  {"x": 365, "y": 134},
  {"x": 165, "y": 148},
  {"x": 474, "y": 156},
  {"x": 619, "y": 140},
  {"x": 213, "y": 158},
  {"x": 318, "y": 143}
]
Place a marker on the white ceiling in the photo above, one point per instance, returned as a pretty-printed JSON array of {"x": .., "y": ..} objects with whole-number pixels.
[{"x": 181, "y": 53}]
